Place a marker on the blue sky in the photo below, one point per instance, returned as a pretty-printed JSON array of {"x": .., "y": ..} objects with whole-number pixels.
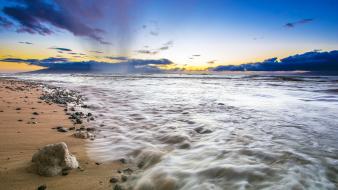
[{"x": 220, "y": 32}]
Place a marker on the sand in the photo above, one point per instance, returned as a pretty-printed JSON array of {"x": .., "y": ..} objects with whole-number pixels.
[{"x": 20, "y": 138}]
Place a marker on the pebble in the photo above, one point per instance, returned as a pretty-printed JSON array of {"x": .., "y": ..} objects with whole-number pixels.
[
  {"x": 65, "y": 172},
  {"x": 18, "y": 109},
  {"x": 35, "y": 113},
  {"x": 42, "y": 187},
  {"x": 113, "y": 180},
  {"x": 124, "y": 178},
  {"x": 118, "y": 187},
  {"x": 62, "y": 130}
]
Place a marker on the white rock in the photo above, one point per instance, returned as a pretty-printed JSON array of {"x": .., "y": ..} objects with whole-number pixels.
[
  {"x": 83, "y": 135},
  {"x": 53, "y": 158}
]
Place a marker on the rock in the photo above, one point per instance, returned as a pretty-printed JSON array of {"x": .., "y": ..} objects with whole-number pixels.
[
  {"x": 148, "y": 157},
  {"x": 35, "y": 113},
  {"x": 72, "y": 109},
  {"x": 42, "y": 187},
  {"x": 128, "y": 171},
  {"x": 18, "y": 109},
  {"x": 62, "y": 130},
  {"x": 65, "y": 172},
  {"x": 202, "y": 130},
  {"x": 90, "y": 129},
  {"x": 71, "y": 128},
  {"x": 113, "y": 180},
  {"x": 89, "y": 114},
  {"x": 83, "y": 135},
  {"x": 78, "y": 121},
  {"x": 124, "y": 178},
  {"x": 118, "y": 187},
  {"x": 174, "y": 138},
  {"x": 123, "y": 160},
  {"x": 52, "y": 159}
]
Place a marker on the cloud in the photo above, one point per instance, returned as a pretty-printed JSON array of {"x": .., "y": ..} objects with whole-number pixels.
[
  {"x": 119, "y": 58},
  {"x": 55, "y": 64},
  {"x": 96, "y": 51},
  {"x": 197, "y": 55},
  {"x": 27, "y": 43},
  {"x": 5, "y": 23},
  {"x": 150, "y": 52},
  {"x": 211, "y": 62},
  {"x": 37, "y": 17},
  {"x": 164, "y": 47},
  {"x": 299, "y": 22},
  {"x": 60, "y": 48},
  {"x": 40, "y": 62},
  {"x": 309, "y": 61}
]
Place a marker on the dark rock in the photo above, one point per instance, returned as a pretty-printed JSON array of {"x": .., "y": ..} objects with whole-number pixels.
[
  {"x": 35, "y": 113},
  {"x": 90, "y": 129},
  {"x": 118, "y": 187},
  {"x": 65, "y": 172},
  {"x": 202, "y": 130},
  {"x": 113, "y": 180},
  {"x": 92, "y": 118},
  {"x": 42, "y": 187},
  {"x": 97, "y": 163},
  {"x": 19, "y": 120},
  {"x": 128, "y": 171},
  {"x": 221, "y": 104},
  {"x": 78, "y": 121},
  {"x": 72, "y": 109},
  {"x": 71, "y": 128},
  {"x": 18, "y": 109},
  {"x": 124, "y": 178},
  {"x": 123, "y": 160},
  {"x": 89, "y": 114},
  {"x": 62, "y": 130}
]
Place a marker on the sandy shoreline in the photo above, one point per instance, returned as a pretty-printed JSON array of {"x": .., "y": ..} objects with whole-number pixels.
[{"x": 23, "y": 133}]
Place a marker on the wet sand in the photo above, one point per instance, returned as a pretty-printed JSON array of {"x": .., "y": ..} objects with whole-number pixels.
[{"x": 22, "y": 133}]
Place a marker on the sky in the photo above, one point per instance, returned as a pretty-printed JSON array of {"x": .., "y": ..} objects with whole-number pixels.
[{"x": 188, "y": 34}]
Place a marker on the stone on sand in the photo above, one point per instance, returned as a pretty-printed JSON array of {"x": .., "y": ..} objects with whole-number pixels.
[
  {"x": 83, "y": 135},
  {"x": 52, "y": 159}
]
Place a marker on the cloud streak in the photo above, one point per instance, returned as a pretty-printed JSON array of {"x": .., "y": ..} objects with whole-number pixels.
[
  {"x": 309, "y": 61},
  {"x": 299, "y": 22}
]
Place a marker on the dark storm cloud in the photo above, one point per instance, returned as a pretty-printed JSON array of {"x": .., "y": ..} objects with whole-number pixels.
[
  {"x": 303, "y": 21},
  {"x": 27, "y": 43},
  {"x": 33, "y": 16},
  {"x": 60, "y": 49},
  {"x": 56, "y": 64},
  {"x": 40, "y": 62},
  {"x": 5, "y": 23},
  {"x": 310, "y": 61}
]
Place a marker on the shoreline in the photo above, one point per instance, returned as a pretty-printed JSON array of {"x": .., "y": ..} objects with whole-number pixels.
[{"x": 23, "y": 133}]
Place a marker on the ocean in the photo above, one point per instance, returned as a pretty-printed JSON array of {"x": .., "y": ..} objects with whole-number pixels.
[{"x": 213, "y": 131}]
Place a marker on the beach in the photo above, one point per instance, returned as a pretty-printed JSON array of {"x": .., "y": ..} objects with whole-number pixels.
[
  {"x": 169, "y": 132},
  {"x": 23, "y": 133}
]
